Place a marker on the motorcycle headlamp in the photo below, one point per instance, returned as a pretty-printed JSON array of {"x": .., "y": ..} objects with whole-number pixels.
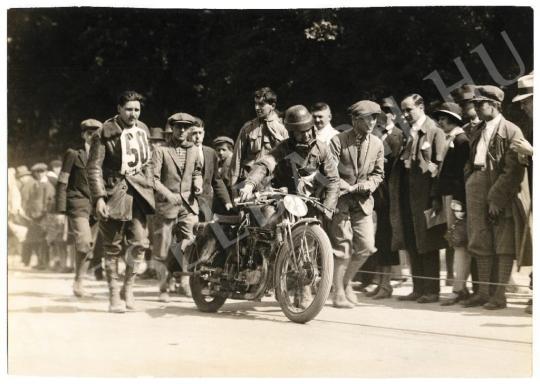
[{"x": 295, "y": 205}]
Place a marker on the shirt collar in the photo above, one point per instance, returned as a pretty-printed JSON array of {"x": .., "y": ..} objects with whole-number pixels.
[
  {"x": 494, "y": 122},
  {"x": 418, "y": 124}
]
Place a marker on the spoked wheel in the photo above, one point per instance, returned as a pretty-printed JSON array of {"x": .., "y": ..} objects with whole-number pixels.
[
  {"x": 303, "y": 275},
  {"x": 200, "y": 288}
]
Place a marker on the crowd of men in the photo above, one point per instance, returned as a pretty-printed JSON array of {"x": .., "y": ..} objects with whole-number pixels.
[{"x": 394, "y": 180}]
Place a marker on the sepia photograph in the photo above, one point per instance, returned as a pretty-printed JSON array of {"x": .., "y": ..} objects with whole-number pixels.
[{"x": 259, "y": 190}]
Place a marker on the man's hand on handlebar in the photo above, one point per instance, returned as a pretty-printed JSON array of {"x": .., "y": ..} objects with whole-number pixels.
[{"x": 246, "y": 192}]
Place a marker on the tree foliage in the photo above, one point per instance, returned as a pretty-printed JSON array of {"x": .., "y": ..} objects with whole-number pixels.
[{"x": 68, "y": 64}]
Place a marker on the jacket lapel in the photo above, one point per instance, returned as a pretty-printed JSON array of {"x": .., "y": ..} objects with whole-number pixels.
[
  {"x": 176, "y": 159},
  {"x": 363, "y": 165},
  {"x": 353, "y": 150}
]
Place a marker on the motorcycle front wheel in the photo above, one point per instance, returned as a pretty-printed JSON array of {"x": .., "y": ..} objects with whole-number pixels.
[{"x": 303, "y": 274}]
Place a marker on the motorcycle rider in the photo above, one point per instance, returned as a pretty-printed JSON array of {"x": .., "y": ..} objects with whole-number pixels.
[{"x": 304, "y": 157}]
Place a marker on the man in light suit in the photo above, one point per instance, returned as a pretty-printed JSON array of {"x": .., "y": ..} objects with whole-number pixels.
[
  {"x": 360, "y": 158},
  {"x": 176, "y": 168}
]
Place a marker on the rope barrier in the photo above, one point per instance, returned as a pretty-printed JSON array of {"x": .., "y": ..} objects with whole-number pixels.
[{"x": 442, "y": 279}]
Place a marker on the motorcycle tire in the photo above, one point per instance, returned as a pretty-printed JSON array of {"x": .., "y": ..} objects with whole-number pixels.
[
  {"x": 326, "y": 265},
  {"x": 204, "y": 303}
]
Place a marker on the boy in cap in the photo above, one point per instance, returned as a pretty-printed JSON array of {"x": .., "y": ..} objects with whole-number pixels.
[
  {"x": 360, "y": 158},
  {"x": 412, "y": 184},
  {"x": 223, "y": 146},
  {"x": 122, "y": 189},
  {"x": 73, "y": 199},
  {"x": 497, "y": 195}
]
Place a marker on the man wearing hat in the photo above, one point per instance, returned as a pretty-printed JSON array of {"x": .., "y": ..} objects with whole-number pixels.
[
  {"x": 412, "y": 192},
  {"x": 178, "y": 179},
  {"x": 122, "y": 189},
  {"x": 309, "y": 162},
  {"x": 385, "y": 258},
  {"x": 39, "y": 203},
  {"x": 497, "y": 195},
  {"x": 258, "y": 136},
  {"x": 451, "y": 189},
  {"x": 463, "y": 96},
  {"x": 360, "y": 158},
  {"x": 73, "y": 200},
  {"x": 525, "y": 150}
]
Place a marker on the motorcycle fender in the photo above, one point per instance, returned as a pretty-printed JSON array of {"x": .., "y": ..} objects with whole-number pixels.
[{"x": 306, "y": 221}]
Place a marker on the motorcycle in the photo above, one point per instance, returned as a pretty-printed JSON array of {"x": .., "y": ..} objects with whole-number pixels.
[{"x": 277, "y": 243}]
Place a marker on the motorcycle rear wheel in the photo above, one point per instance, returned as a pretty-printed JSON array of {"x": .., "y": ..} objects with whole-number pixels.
[{"x": 312, "y": 270}]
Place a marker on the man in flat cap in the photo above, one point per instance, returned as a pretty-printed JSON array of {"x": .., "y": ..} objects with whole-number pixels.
[
  {"x": 412, "y": 192},
  {"x": 122, "y": 189},
  {"x": 322, "y": 116},
  {"x": 73, "y": 200},
  {"x": 497, "y": 195},
  {"x": 257, "y": 137},
  {"x": 40, "y": 201},
  {"x": 178, "y": 179},
  {"x": 360, "y": 158}
]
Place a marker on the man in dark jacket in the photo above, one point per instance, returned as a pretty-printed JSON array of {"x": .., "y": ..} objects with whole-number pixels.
[
  {"x": 122, "y": 187},
  {"x": 73, "y": 199},
  {"x": 412, "y": 192}
]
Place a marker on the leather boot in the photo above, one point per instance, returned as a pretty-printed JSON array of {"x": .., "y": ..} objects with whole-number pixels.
[
  {"x": 116, "y": 305},
  {"x": 385, "y": 288},
  {"x": 129, "y": 281},
  {"x": 339, "y": 300},
  {"x": 163, "y": 281},
  {"x": 184, "y": 280},
  {"x": 352, "y": 269},
  {"x": 82, "y": 262}
]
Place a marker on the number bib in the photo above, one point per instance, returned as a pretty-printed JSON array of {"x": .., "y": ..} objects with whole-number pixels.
[{"x": 135, "y": 150}]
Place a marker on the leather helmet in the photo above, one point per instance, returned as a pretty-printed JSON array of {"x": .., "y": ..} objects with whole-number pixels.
[{"x": 298, "y": 118}]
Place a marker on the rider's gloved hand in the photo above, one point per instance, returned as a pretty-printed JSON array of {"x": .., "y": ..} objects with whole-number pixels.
[{"x": 246, "y": 192}]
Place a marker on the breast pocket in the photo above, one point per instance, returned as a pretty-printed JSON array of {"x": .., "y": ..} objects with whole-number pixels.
[{"x": 255, "y": 141}]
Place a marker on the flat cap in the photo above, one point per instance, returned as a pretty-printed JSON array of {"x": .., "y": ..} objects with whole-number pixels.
[
  {"x": 156, "y": 133},
  {"x": 525, "y": 87},
  {"x": 90, "y": 124},
  {"x": 183, "y": 117},
  {"x": 364, "y": 108},
  {"x": 450, "y": 109},
  {"x": 464, "y": 93},
  {"x": 221, "y": 140},
  {"x": 22, "y": 170},
  {"x": 39, "y": 167},
  {"x": 488, "y": 93}
]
